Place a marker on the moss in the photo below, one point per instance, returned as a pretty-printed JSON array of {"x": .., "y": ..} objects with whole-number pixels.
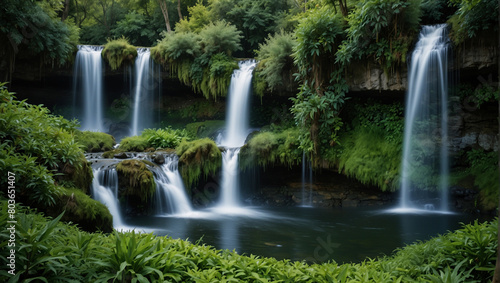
[
  {"x": 95, "y": 141},
  {"x": 88, "y": 213},
  {"x": 78, "y": 175},
  {"x": 370, "y": 158},
  {"x": 135, "y": 180},
  {"x": 118, "y": 51},
  {"x": 205, "y": 129},
  {"x": 270, "y": 148},
  {"x": 135, "y": 143},
  {"x": 197, "y": 157}
]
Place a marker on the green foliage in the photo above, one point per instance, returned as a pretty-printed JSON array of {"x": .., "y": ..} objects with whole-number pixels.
[
  {"x": 136, "y": 28},
  {"x": 475, "y": 97},
  {"x": 95, "y": 141},
  {"x": 37, "y": 146},
  {"x": 388, "y": 118},
  {"x": 275, "y": 66},
  {"x": 382, "y": 30},
  {"x": 197, "y": 157},
  {"x": 201, "y": 60},
  {"x": 255, "y": 18},
  {"x": 205, "y": 129},
  {"x": 49, "y": 251},
  {"x": 473, "y": 17},
  {"x": 134, "y": 143},
  {"x": 117, "y": 51},
  {"x": 199, "y": 16},
  {"x": 32, "y": 28},
  {"x": 483, "y": 166},
  {"x": 154, "y": 139},
  {"x": 271, "y": 148},
  {"x": 370, "y": 158},
  {"x": 135, "y": 180}
]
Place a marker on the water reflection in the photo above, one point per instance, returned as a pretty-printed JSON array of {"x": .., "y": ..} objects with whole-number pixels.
[{"x": 312, "y": 234}]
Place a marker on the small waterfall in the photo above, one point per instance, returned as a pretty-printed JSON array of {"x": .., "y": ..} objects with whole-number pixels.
[
  {"x": 426, "y": 117},
  {"x": 307, "y": 174},
  {"x": 88, "y": 85},
  {"x": 105, "y": 190},
  {"x": 170, "y": 196},
  {"x": 145, "y": 83},
  {"x": 236, "y": 131}
]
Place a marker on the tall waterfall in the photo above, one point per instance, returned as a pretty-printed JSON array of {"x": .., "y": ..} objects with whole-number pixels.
[
  {"x": 88, "y": 85},
  {"x": 237, "y": 116},
  {"x": 105, "y": 190},
  {"x": 145, "y": 83},
  {"x": 426, "y": 117},
  {"x": 170, "y": 196}
]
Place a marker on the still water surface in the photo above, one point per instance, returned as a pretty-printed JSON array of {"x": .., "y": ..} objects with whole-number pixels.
[{"x": 298, "y": 233}]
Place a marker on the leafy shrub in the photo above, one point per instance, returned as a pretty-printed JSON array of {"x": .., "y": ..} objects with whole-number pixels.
[
  {"x": 473, "y": 17},
  {"x": 484, "y": 169},
  {"x": 196, "y": 157},
  {"x": 382, "y": 30},
  {"x": 95, "y": 141},
  {"x": 117, "y": 51},
  {"x": 154, "y": 138},
  {"x": 275, "y": 66},
  {"x": 201, "y": 60}
]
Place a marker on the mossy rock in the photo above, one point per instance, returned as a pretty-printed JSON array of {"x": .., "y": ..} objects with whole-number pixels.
[
  {"x": 135, "y": 143},
  {"x": 197, "y": 157},
  {"x": 136, "y": 182},
  {"x": 95, "y": 141},
  {"x": 88, "y": 213},
  {"x": 77, "y": 175},
  {"x": 118, "y": 51}
]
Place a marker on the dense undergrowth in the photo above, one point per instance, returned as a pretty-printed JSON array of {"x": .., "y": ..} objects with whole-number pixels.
[
  {"x": 154, "y": 139},
  {"x": 50, "y": 251},
  {"x": 40, "y": 150}
]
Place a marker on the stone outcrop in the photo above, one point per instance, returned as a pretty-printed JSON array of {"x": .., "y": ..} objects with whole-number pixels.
[{"x": 368, "y": 76}]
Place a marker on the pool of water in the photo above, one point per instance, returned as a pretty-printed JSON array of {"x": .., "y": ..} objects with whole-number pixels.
[{"x": 303, "y": 233}]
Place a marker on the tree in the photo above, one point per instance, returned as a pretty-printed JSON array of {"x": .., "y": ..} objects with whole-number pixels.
[
  {"x": 164, "y": 11},
  {"x": 179, "y": 9}
]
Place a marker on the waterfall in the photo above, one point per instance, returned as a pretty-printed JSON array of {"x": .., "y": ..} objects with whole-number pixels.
[
  {"x": 88, "y": 84},
  {"x": 145, "y": 83},
  {"x": 170, "y": 196},
  {"x": 426, "y": 125},
  {"x": 306, "y": 180},
  {"x": 105, "y": 190},
  {"x": 236, "y": 131}
]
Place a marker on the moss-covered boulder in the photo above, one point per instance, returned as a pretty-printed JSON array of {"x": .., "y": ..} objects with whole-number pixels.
[
  {"x": 117, "y": 51},
  {"x": 88, "y": 213},
  {"x": 197, "y": 157},
  {"x": 136, "y": 182},
  {"x": 272, "y": 148},
  {"x": 95, "y": 141}
]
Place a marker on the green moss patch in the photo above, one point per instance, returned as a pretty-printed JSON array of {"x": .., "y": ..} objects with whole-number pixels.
[
  {"x": 95, "y": 141},
  {"x": 197, "y": 157},
  {"x": 118, "y": 51},
  {"x": 270, "y": 148}
]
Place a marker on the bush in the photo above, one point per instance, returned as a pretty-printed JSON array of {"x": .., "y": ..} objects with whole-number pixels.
[
  {"x": 117, "y": 51},
  {"x": 135, "y": 143},
  {"x": 154, "y": 139},
  {"x": 197, "y": 157},
  {"x": 473, "y": 17},
  {"x": 275, "y": 66}
]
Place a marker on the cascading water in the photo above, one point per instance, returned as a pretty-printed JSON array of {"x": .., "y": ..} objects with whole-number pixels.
[
  {"x": 236, "y": 131},
  {"x": 306, "y": 180},
  {"x": 145, "y": 84},
  {"x": 170, "y": 196},
  {"x": 88, "y": 85},
  {"x": 426, "y": 130},
  {"x": 105, "y": 190}
]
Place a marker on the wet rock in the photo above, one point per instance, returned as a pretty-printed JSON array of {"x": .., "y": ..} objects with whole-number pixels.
[
  {"x": 121, "y": 155},
  {"x": 158, "y": 158}
]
